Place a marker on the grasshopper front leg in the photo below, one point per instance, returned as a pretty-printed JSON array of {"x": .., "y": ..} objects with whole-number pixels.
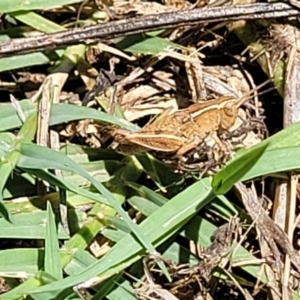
[
  {"x": 195, "y": 146},
  {"x": 214, "y": 155},
  {"x": 198, "y": 140}
]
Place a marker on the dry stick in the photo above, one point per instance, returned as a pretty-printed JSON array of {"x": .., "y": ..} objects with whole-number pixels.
[
  {"x": 42, "y": 138},
  {"x": 291, "y": 116},
  {"x": 129, "y": 26},
  {"x": 271, "y": 232}
]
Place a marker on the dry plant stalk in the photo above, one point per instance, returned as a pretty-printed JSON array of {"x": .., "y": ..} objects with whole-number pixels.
[
  {"x": 92, "y": 34},
  {"x": 271, "y": 232},
  {"x": 279, "y": 55}
]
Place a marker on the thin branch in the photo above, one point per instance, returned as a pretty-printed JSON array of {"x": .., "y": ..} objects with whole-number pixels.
[{"x": 92, "y": 34}]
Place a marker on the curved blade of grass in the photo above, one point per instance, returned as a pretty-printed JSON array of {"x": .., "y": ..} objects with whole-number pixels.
[
  {"x": 282, "y": 154},
  {"x": 117, "y": 223},
  {"x": 113, "y": 235},
  {"x": 59, "y": 182},
  {"x": 278, "y": 153},
  {"x": 93, "y": 225},
  {"x": 274, "y": 161},
  {"x": 60, "y": 113},
  {"x": 111, "y": 285},
  {"x": 224, "y": 180},
  {"x": 143, "y": 205},
  {"x": 162, "y": 224},
  {"x": 224, "y": 208},
  {"x": 124, "y": 291},
  {"x": 50, "y": 159},
  {"x": 28, "y": 129},
  {"x": 66, "y": 294},
  {"x": 82, "y": 259}
]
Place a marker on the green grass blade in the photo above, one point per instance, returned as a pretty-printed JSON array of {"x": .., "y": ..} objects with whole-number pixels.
[
  {"x": 224, "y": 180},
  {"x": 162, "y": 224},
  {"x": 32, "y": 59},
  {"x": 108, "y": 286},
  {"x": 29, "y": 225},
  {"x": 26, "y": 60},
  {"x": 7, "y": 6},
  {"x": 60, "y": 113},
  {"x": 52, "y": 257},
  {"x": 279, "y": 153},
  {"x": 29, "y": 128},
  {"x": 6, "y": 167},
  {"x": 50, "y": 159},
  {"x": 36, "y": 21},
  {"x": 143, "y": 44},
  {"x": 20, "y": 263},
  {"x": 21, "y": 290},
  {"x": 147, "y": 193},
  {"x": 275, "y": 161},
  {"x": 124, "y": 291},
  {"x": 7, "y": 140},
  {"x": 9, "y": 118},
  {"x": 59, "y": 182}
]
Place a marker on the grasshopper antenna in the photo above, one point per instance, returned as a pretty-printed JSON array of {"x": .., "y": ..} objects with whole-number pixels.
[{"x": 253, "y": 92}]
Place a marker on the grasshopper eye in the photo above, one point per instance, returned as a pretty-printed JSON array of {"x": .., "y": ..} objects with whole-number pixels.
[
  {"x": 228, "y": 116},
  {"x": 230, "y": 110}
]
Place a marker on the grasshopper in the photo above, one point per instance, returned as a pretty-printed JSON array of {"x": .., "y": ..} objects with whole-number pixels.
[
  {"x": 163, "y": 135},
  {"x": 186, "y": 129}
]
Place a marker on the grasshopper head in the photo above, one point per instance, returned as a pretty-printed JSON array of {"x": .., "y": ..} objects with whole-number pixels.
[
  {"x": 229, "y": 109},
  {"x": 229, "y": 113}
]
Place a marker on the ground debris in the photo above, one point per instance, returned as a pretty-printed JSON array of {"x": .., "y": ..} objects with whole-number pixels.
[{"x": 190, "y": 282}]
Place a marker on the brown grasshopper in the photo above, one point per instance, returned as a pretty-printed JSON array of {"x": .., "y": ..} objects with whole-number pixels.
[
  {"x": 184, "y": 130},
  {"x": 163, "y": 135}
]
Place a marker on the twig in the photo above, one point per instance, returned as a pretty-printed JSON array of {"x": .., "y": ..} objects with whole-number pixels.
[
  {"x": 129, "y": 26},
  {"x": 42, "y": 136}
]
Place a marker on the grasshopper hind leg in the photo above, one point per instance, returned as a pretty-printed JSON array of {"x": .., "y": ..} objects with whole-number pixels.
[{"x": 202, "y": 161}]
